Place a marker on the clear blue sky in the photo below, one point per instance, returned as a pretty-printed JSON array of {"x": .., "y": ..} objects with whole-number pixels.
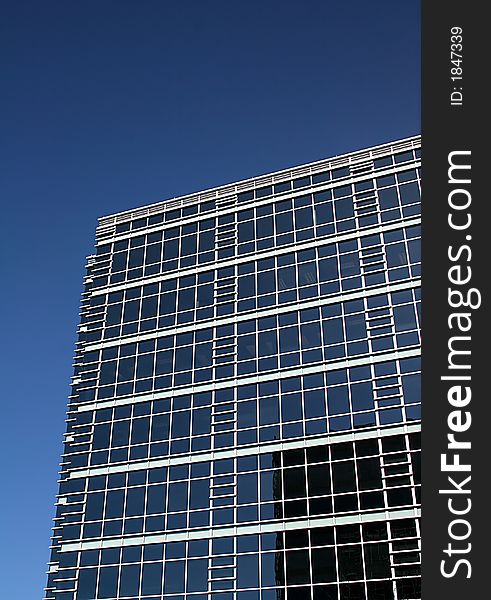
[{"x": 109, "y": 105}]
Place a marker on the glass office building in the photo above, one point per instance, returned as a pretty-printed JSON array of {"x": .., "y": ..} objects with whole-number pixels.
[{"x": 244, "y": 422}]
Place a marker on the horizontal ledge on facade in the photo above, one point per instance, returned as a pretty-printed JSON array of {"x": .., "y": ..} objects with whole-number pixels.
[
  {"x": 252, "y": 450},
  {"x": 344, "y": 363},
  {"x": 238, "y": 530},
  {"x": 296, "y": 247},
  {"x": 346, "y": 296}
]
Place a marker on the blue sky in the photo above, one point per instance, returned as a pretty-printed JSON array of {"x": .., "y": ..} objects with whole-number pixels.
[{"x": 112, "y": 105}]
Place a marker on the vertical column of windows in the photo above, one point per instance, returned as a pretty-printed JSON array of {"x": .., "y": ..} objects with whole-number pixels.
[
  {"x": 224, "y": 351},
  {"x": 226, "y": 236},
  {"x": 223, "y": 489},
  {"x": 224, "y": 418},
  {"x": 373, "y": 262},
  {"x": 225, "y": 292},
  {"x": 222, "y": 565},
  {"x": 405, "y": 558}
]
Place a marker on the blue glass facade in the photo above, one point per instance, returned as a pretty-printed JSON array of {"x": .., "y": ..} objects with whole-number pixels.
[{"x": 245, "y": 413}]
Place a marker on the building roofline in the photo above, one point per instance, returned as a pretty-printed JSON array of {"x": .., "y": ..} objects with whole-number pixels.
[{"x": 234, "y": 187}]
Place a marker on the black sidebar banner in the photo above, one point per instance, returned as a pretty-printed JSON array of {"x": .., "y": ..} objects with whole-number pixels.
[{"x": 456, "y": 324}]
